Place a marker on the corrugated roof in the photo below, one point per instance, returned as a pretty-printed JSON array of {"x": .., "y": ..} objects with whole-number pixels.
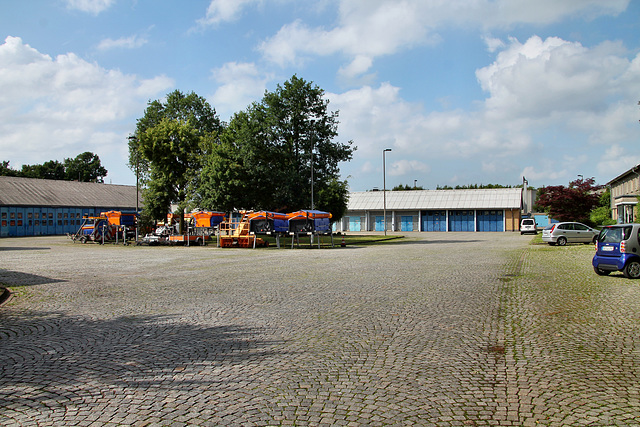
[
  {"x": 494, "y": 198},
  {"x": 46, "y": 192}
]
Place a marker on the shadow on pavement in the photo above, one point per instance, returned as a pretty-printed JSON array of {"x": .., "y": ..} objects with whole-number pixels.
[
  {"x": 50, "y": 356},
  {"x": 18, "y": 278}
]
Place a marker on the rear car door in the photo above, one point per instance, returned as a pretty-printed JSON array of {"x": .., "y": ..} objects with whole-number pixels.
[{"x": 582, "y": 233}]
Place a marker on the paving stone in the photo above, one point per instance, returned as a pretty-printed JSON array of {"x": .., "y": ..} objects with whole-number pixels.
[{"x": 447, "y": 329}]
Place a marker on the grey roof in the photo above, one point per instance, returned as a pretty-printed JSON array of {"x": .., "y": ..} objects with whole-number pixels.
[
  {"x": 494, "y": 198},
  {"x": 46, "y": 192}
]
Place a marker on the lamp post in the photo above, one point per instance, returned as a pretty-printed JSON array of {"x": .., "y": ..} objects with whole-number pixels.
[
  {"x": 313, "y": 122},
  {"x": 133, "y": 138},
  {"x": 384, "y": 189}
]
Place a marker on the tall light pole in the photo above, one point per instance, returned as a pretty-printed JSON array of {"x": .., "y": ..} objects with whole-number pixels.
[
  {"x": 384, "y": 188},
  {"x": 133, "y": 138},
  {"x": 313, "y": 122}
]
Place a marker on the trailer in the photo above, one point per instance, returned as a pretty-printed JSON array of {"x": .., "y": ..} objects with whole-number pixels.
[
  {"x": 95, "y": 229},
  {"x": 309, "y": 221},
  {"x": 264, "y": 222},
  {"x": 236, "y": 232}
]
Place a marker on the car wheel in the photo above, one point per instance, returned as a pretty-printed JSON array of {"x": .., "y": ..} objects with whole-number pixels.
[
  {"x": 600, "y": 272},
  {"x": 562, "y": 241},
  {"x": 632, "y": 269}
]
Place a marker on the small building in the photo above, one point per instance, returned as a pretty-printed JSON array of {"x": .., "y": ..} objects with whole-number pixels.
[
  {"x": 625, "y": 189},
  {"x": 496, "y": 209},
  {"x": 38, "y": 207}
]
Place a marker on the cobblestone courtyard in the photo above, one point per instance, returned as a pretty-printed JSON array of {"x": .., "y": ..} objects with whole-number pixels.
[{"x": 446, "y": 329}]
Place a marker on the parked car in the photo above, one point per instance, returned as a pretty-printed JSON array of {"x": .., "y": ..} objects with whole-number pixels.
[
  {"x": 562, "y": 233},
  {"x": 528, "y": 225},
  {"x": 618, "y": 249}
]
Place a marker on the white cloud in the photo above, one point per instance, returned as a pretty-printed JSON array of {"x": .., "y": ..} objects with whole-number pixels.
[
  {"x": 131, "y": 42},
  {"x": 59, "y": 107},
  {"x": 367, "y": 29},
  {"x": 406, "y": 167},
  {"x": 90, "y": 6},
  {"x": 616, "y": 159},
  {"x": 541, "y": 78},
  {"x": 224, "y": 11},
  {"x": 240, "y": 85}
]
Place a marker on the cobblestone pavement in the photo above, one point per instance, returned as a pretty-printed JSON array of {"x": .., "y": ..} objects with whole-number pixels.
[{"x": 449, "y": 329}]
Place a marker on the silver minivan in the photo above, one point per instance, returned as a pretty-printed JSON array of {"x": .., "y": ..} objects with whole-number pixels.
[{"x": 562, "y": 233}]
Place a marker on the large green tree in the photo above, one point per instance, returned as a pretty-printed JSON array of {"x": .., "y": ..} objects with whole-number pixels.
[
  {"x": 168, "y": 147},
  {"x": 85, "y": 167},
  {"x": 266, "y": 154}
]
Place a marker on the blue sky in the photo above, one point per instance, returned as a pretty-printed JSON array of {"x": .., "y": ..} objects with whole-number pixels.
[{"x": 462, "y": 91}]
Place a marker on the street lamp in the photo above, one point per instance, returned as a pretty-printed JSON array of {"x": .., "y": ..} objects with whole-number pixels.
[
  {"x": 384, "y": 188},
  {"x": 132, "y": 138}
]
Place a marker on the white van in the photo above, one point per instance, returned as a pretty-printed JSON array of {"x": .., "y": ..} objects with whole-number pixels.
[{"x": 528, "y": 225}]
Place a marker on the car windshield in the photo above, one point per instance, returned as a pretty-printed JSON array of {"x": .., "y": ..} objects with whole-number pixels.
[{"x": 614, "y": 234}]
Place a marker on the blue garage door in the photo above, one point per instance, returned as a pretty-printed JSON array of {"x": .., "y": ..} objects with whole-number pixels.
[
  {"x": 354, "y": 223},
  {"x": 4, "y": 225},
  {"x": 434, "y": 221},
  {"x": 461, "y": 221},
  {"x": 490, "y": 221},
  {"x": 406, "y": 223},
  {"x": 379, "y": 223}
]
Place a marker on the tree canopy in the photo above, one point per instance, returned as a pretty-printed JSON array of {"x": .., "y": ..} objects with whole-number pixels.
[
  {"x": 168, "y": 148},
  {"x": 572, "y": 203},
  {"x": 268, "y": 153},
  {"x": 85, "y": 167}
]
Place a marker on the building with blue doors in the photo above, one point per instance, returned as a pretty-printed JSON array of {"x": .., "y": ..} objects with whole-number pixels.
[
  {"x": 496, "y": 209},
  {"x": 38, "y": 207}
]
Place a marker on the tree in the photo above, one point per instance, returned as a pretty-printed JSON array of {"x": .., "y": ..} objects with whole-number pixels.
[
  {"x": 5, "y": 169},
  {"x": 85, "y": 167},
  {"x": 406, "y": 187},
  {"x": 572, "y": 203},
  {"x": 266, "y": 154},
  {"x": 168, "y": 148},
  {"x": 601, "y": 215},
  {"x": 52, "y": 169}
]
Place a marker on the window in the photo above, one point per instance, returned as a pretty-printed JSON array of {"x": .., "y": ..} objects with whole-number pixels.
[
  {"x": 36, "y": 215},
  {"x": 4, "y": 215},
  {"x": 12, "y": 215},
  {"x": 37, "y": 223},
  {"x": 50, "y": 216},
  {"x": 19, "y": 215}
]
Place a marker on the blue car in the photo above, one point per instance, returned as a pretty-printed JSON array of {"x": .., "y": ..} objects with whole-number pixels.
[{"x": 618, "y": 249}]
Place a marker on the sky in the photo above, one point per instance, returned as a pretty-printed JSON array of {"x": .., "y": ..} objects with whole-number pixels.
[{"x": 462, "y": 91}]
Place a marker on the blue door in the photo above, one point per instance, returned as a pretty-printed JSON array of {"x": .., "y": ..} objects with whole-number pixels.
[
  {"x": 490, "y": 221},
  {"x": 4, "y": 224},
  {"x": 461, "y": 221},
  {"x": 354, "y": 223},
  {"x": 434, "y": 221},
  {"x": 406, "y": 223},
  {"x": 380, "y": 223}
]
